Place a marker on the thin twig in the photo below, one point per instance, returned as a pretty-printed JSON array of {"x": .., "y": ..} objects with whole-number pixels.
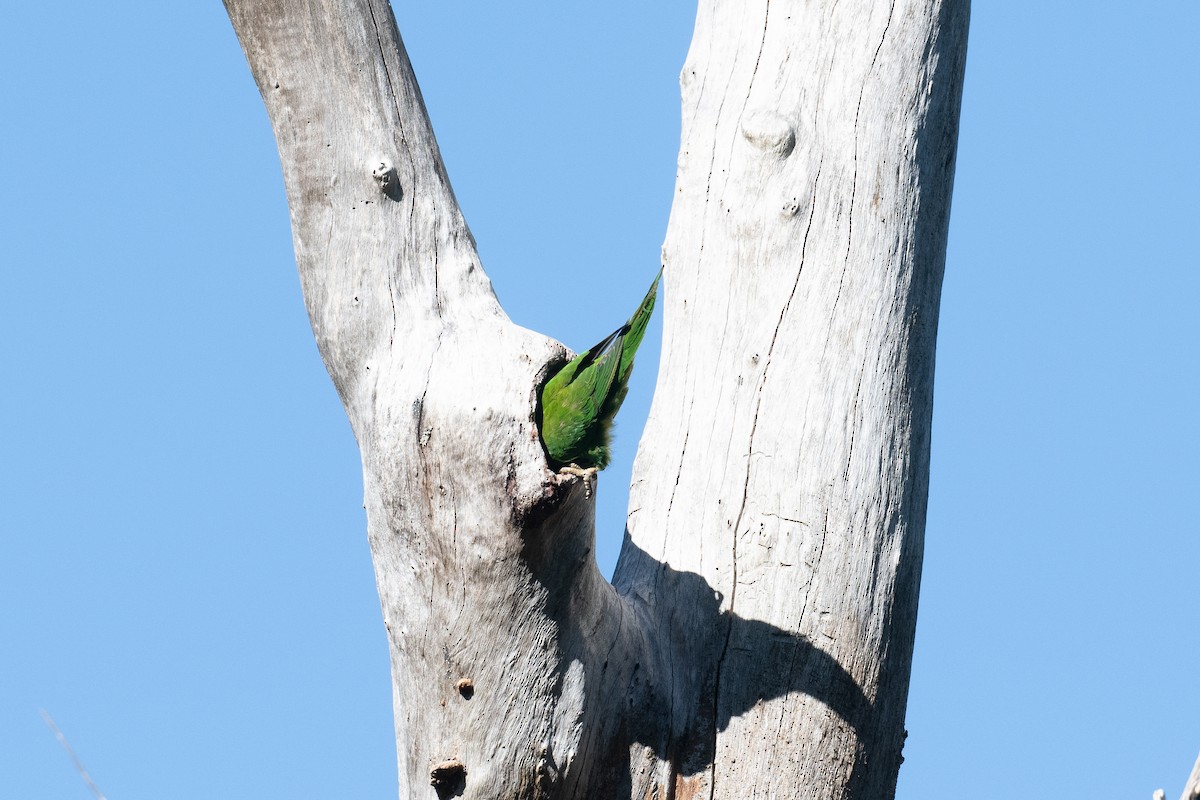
[{"x": 83, "y": 773}]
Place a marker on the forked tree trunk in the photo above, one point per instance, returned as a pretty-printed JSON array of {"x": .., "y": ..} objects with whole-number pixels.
[{"x": 758, "y": 640}]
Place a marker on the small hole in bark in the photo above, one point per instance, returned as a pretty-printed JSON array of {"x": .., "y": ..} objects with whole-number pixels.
[
  {"x": 466, "y": 687},
  {"x": 449, "y": 778}
]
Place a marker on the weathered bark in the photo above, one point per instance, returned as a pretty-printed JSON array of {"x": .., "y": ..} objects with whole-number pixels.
[
  {"x": 1191, "y": 789},
  {"x": 759, "y": 639},
  {"x": 790, "y": 426}
]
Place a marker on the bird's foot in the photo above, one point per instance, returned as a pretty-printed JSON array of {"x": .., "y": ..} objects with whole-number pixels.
[{"x": 588, "y": 475}]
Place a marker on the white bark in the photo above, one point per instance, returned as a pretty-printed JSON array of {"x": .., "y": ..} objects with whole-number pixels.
[
  {"x": 790, "y": 428},
  {"x": 759, "y": 645},
  {"x": 1191, "y": 789}
]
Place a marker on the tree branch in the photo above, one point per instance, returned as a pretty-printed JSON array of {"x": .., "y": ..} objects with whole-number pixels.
[
  {"x": 1191, "y": 789},
  {"x": 785, "y": 462},
  {"x": 483, "y": 557}
]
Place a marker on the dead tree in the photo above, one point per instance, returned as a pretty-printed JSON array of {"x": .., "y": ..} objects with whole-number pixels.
[{"x": 756, "y": 640}]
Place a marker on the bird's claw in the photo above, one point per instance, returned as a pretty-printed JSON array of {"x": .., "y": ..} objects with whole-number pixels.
[{"x": 588, "y": 475}]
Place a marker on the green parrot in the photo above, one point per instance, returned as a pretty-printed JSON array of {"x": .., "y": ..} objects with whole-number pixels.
[{"x": 580, "y": 401}]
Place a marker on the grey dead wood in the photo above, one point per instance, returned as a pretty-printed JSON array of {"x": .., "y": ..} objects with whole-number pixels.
[
  {"x": 757, "y": 638},
  {"x": 1191, "y": 789}
]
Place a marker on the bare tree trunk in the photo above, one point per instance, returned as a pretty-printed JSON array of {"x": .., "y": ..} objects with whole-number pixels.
[
  {"x": 759, "y": 638},
  {"x": 785, "y": 463}
]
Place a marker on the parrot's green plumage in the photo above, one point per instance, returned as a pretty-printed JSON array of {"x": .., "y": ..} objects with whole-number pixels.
[{"x": 580, "y": 401}]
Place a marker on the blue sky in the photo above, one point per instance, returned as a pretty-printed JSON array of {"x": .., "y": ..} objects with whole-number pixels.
[{"x": 184, "y": 576}]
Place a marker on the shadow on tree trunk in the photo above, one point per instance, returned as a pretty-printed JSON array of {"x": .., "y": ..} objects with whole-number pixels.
[{"x": 655, "y": 698}]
